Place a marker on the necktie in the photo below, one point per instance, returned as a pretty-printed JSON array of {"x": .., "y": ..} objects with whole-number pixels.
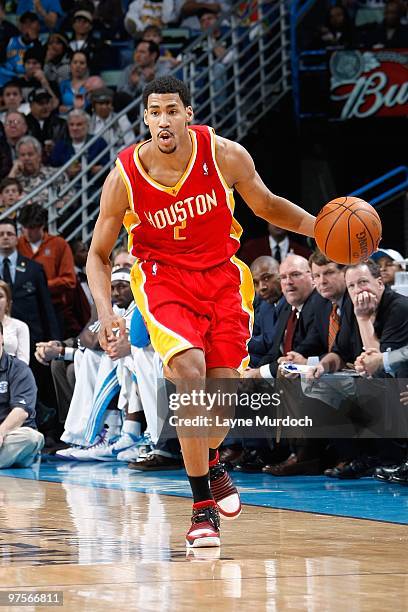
[
  {"x": 334, "y": 326},
  {"x": 290, "y": 331},
  {"x": 277, "y": 255},
  {"x": 6, "y": 271}
]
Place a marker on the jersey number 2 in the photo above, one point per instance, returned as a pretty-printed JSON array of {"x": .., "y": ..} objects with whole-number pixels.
[{"x": 177, "y": 229}]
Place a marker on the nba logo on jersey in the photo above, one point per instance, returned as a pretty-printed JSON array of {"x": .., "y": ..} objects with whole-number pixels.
[
  {"x": 205, "y": 169},
  {"x": 154, "y": 269}
]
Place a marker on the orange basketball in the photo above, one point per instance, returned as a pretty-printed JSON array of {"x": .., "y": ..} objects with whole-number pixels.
[{"x": 348, "y": 230}]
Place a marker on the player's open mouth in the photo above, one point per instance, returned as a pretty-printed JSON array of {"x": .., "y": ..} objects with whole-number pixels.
[{"x": 165, "y": 136}]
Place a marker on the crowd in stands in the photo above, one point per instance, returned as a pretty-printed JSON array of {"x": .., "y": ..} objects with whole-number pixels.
[
  {"x": 378, "y": 24},
  {"x": 96, "y": 405}
]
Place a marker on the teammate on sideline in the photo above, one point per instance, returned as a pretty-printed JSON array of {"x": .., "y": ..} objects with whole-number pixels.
[{"x": 174, "y": 193}]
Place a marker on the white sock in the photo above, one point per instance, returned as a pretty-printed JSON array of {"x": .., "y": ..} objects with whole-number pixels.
[
  {"x": 132, "y": 427},
  {"x": 113, "y": 422}
]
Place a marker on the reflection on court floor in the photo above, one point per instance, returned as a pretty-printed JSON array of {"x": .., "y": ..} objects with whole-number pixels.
[{"x": 109, "y": 538}]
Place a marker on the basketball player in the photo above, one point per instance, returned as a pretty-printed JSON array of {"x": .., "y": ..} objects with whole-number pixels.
[{"x": 174, "y": 193}]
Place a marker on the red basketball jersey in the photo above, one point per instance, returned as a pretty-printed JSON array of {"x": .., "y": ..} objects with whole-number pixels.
[{"x": 190, "y": 224}]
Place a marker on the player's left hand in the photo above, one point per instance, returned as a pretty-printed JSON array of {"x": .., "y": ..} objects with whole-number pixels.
[{"x": 365, "y": 305}]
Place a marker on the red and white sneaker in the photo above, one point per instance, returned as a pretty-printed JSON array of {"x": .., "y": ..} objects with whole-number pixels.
[
  {"x": 205, "y": 526},
  {"x": 224, "y": 492}
]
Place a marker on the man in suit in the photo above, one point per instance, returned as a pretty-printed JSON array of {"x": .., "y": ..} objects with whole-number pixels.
[
  {"x": 31, "y": 297},
  {"x": 295, "y": 315},
  {"x": 31, "y": 303},
  {"x": 373, "y": 362},
  {"x": 265, "y": 274},
  {"x": 328, "y": 277},
  {"x": 278, "y": 243},
  {"x": 377, "y": 318},
  {"x": 294, "y": 323}
]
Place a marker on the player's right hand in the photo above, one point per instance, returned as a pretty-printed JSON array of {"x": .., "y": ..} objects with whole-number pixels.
[{"x": 111, "y": 327}]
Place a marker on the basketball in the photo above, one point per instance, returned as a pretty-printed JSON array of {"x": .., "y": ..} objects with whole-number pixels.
[{"x": 348, "y": 230}]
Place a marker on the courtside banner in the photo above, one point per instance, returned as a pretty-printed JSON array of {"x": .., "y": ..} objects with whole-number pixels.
[
  {"x": 368, "y": 84},
  {"x": 335, "y": 406}
]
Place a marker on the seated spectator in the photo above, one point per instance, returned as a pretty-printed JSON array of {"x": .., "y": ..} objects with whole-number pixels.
[
  {"x": 142, "y": 13},
  {"x": 376, "y": 318},
  {"x": 20, "y": 442},
  {"x": 43, "y": 123},
  {"x": 265, "y": 274},
  {"x": 190, "y": 11},
  {"x": 336, "y": 32},
  {"x": 7, "y": 31},
  {"x": 72, "y": 90},
  {"x": 57, "y": 62},
  {"x": 30, "y": 172},
  {"x": 15, "y": 127},
  {"x": 390, "y": 262},
  {"x": 144, "y": 69},
  {"x": 47, "y": 10},
  {"x": 119, "y": 134},
  {"x": 29, "y": 26},
  {"x": 278, "y": 244},
  {"x": 391, "y": 33},
  {"x": 16, "y": 334},
  {"x": 78, "y": 135},
  {"x": 121, "y": 99},
  {"x": 108, "y": 20},
  {"x": 54, "y": 254},
  {"x": 83, "y": 40},
  {"x": 154, "y": 34},
  {"x": 10, "y": 193},
  {"x": 89, "y": 422},
  {"x": 122, "y": 258},
  {"x": 80, "y": 253},
  {"x": 34, "y": 77},
  {"x": 13, "y": 100},
  {"x": 222, "y": 58}
]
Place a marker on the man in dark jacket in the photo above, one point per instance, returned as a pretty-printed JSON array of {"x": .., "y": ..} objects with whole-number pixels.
[{"x": 43, "y": 123}]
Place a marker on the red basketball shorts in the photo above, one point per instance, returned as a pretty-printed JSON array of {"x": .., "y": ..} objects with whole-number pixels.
[{"x": 209, "y": 309}]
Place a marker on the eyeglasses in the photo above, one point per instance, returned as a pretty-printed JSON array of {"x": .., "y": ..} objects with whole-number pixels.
[
  {"x": 13, "y": 122},
  {"x": 292, "y": 276}
]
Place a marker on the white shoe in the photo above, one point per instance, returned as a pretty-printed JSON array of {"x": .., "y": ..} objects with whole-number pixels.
[
  {"x": 66, "y": 453},
  {"x": 94, "y": 452},
  {"x": 139, "y": 450},
  {"x": 112, "y": 450}
]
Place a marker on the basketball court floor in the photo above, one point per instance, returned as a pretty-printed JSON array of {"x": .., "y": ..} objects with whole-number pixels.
[{"x": 108, "y": 538}]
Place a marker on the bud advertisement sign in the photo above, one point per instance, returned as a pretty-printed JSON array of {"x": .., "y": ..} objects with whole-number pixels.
[{"x": 369, "y": 84}]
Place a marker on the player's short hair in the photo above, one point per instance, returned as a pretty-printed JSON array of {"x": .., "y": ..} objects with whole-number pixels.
[
  {"x": 319, "y": 259},
  {"x": 167, "y": 84},
  {"x": 372, "y": 266}
]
